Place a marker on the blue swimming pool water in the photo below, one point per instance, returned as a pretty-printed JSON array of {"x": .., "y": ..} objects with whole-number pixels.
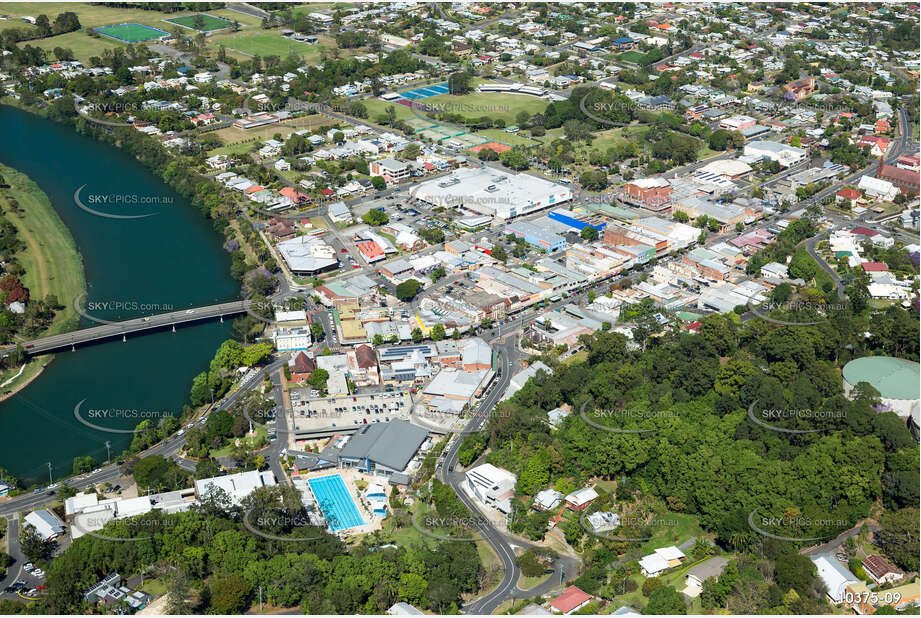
[{"x": 336, "y": 502}]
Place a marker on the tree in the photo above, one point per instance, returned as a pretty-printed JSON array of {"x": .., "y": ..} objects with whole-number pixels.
[
  {"x": 898, "y": 537},
  {"x": 84, "y": 464},
  {"x": 32, "y": 545},
  {"x": 375, "y": 217},
  {"x": 229, "y": 594},
  {"x": 378, "y": 183},
  {"x": 317, "y": 331},
  {"x": 589, "y": 233},
  {"x": 417, "y": 335},
  {"x": 802, "y": 266},
  {"x": 665, "y": 600},
  {"x": 438, "y": 332},
  {"x": 407, "y": 290},
  {"x": 499, "y": 253},
  {"x": 176, "y": 603},
  {"x": 318, "y": 379},
  {"x": 796, "y": 572}
]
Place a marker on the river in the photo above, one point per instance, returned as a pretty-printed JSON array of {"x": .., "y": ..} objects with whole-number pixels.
[{"x": 169, "y": 261}]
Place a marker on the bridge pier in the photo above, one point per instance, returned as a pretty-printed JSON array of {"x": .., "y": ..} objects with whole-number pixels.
[
  {"x": 73, "y": 348},
  {"x": 124, "y": 339},
  {"x": 174, "y": 328},
  {"x": 222, "y": 319}
]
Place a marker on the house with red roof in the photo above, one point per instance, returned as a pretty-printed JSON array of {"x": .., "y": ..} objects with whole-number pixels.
[
  {"x": 572, "y": 599},
  {"x": 301, "y": 366},
  {"x": 847, "y": 194},
  {"x": 878, "y": 145},
  {"x": 371, "y": 251},
  {"x": 295, "y": 196},
  {"x": 875, "y": 267}
]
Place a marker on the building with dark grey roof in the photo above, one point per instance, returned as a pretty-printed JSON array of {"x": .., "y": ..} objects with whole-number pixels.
[{"x": 385, "y": 449}]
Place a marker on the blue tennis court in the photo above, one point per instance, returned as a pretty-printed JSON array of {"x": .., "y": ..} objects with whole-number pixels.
[
  {"x": 336, "y": 502},
  {"x": 426, "y": 91}
]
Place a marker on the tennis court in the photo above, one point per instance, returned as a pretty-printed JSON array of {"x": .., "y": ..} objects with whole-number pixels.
[
  {"x": 425, "y": 91},
  {"x": 208, "y": 22},
  {"x": 131, "y": 33},
  {"x": 336, "y": 502}
]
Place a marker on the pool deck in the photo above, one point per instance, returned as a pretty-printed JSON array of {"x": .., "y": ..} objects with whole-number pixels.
[{"x": 350, "y": 475}]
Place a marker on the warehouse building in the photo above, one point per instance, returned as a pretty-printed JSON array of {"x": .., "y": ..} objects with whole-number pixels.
[{"x": 488, "y": 192}]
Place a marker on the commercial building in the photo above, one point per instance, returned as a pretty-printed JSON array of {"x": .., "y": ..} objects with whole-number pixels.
[
  {"x": 46, "y": 524},
  {"x": 236, "y": 486},
  {"x": 649, "y": 193},
  {"x": 391, "y": 170},
  {"x": 486, "y": 191},
  {"x": 384, "y": 449},
  {"x": 536, "y": 236},
  {"x": 492, "y": 486},
  {"x": 307, "y": 255},
  {"x": 785, "y": 155}
]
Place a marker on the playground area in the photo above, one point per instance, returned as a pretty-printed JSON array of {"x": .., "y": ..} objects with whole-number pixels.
[{"x": 132, "y": 33}]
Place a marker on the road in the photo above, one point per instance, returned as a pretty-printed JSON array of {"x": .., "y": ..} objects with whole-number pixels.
[{"x": 116, "y": 329}]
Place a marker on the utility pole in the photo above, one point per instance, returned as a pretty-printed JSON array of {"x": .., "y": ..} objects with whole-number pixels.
[
  {"x": 108, "y": 451},
  {"x": 50, "y": 478},
  {"x": 260, "y": 598}
]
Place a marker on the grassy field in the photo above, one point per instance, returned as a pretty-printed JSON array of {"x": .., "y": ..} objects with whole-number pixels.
[
  {"x": 492, "y": 105},
  {"x": 209, "y": 22},
  {"x": 80, "y": 43},
  {"x": 510, "y": 139},
  {"x": 632, "y": 56},
  {"x": 238, "y": 141},
  {"x": 376, "y": 107},
  {"x": 271, "y": 45},
  {"x": 51, "y": 260}
]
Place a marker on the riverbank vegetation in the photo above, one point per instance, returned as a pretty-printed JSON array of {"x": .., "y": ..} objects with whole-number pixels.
[{"x": 41, "y": 270}]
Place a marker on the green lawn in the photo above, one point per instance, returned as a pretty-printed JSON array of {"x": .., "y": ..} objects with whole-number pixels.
[
  {"x": 271, "y": 45},
  {"x": 491, "y": 105},
  {"x": 80, "y": 43},
  {"x": 209, "y": 22},
  {"x": 227, "y": 450},
  {"x": 377, "y": 107},
  {"x": 510, "y": 139},
  {"x": 632, "y": 56},
  {"x": 51, "y": 260}
]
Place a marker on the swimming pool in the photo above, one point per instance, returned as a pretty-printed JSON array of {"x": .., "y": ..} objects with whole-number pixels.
[{"x": 336, "y": 502}]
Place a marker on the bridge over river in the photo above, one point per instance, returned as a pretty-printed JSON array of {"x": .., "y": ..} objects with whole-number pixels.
[{"x": 123, "y": 329}]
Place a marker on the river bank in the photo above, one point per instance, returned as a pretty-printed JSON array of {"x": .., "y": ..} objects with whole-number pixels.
[{"x": 53, "y": 267}]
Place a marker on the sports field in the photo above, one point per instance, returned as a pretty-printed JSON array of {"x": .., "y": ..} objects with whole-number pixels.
[
  {"x": 632, "y": 56},
  {"x": 492, "y": 105},
  {"x": 209, "y": 22},
  {"x": 270, "y": 45},
  {"x": 132, "y": 33}
]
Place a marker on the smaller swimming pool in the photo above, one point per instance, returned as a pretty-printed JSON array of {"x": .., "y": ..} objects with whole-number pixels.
[{"x": 336, "y": 502}]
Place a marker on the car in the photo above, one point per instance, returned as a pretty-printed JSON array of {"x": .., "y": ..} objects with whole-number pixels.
[
  {"x": 147, "y": 319},
  {"x": 38, "y": 490},
  {"x": 344, "y": 251},
  {"x": 116, "y": 488},
  {"x": 365, "y": 421},
  {"x": 28, "y": 566},
  {"x": 38, "y": 573},
  {"x": 190, "y": 311}
]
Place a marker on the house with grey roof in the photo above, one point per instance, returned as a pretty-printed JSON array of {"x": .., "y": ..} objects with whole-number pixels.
[{"x": 702, "y": 572}]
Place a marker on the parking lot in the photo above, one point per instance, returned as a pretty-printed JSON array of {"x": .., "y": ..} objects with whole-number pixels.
[{"x": 312, "y": 412}]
